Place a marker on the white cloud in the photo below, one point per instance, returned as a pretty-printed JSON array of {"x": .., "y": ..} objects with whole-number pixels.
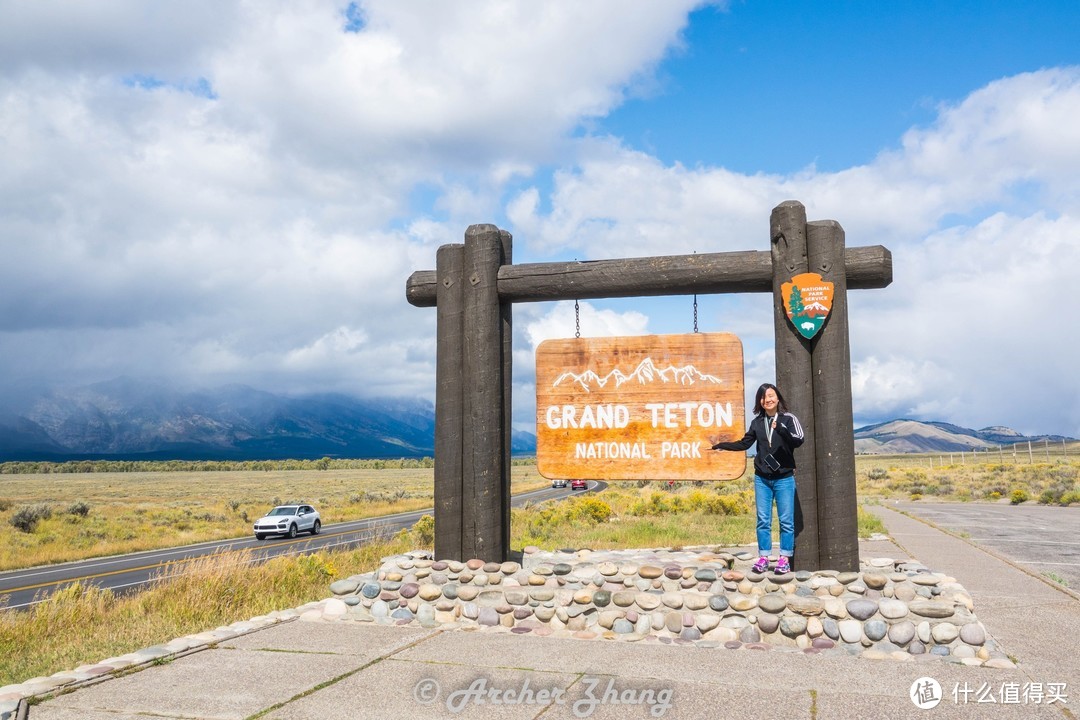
[
  {"x": 260, "y": 226},
  {"x": 977, "y": 210},
  {"x": 225, "y": 191}
]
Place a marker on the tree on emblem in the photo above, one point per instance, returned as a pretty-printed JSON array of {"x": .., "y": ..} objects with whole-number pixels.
[{"x": 795, "y": 303}]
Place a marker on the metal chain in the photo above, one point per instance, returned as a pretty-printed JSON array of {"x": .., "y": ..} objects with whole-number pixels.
[
  {"x": 577, "y": 320},
  {"x": 695, "y": 307}
]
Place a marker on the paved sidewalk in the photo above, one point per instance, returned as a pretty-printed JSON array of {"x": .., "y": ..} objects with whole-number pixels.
[{"x": 300, "y": 670}]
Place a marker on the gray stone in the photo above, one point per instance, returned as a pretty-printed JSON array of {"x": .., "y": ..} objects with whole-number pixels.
[
  {"x": 719, "y": 603},
  {"x": 805, "y": 605},
  {"x": 792, "y": 625},
  {"x": 344, "y": 587},
  {"x": 973, "y": 633},
  {"x": 768, "y": 623},
  {"x": 931, "y": 609},
  {"x": 902, "y": 633},
  {"x": 773, "y": 602},
  {"x": 875, "y": 629},
  {"x": 749, "y": 634},
  {"x": 944, "y": 633},
  {"x": 862, "y": 609},
  {"x": 892, "y": 609},
  {"x": 831, "y": 628},
  {"x": 425, "y": 614},
  {"x": 517, "y": 597},
  {"x": 875, "y": 581},
  {"x": 690, "y": 633}
]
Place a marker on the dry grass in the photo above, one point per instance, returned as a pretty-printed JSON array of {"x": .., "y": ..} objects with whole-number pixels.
[
  {"x": 129, "y": 512},
  {"x": 915, "y": 477},
  {"x": 83, "y": 625}
]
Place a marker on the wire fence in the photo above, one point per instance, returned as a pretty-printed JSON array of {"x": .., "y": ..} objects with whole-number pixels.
[{"x": 1026, "y": 452}]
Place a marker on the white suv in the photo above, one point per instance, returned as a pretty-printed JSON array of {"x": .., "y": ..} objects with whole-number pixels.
[{"x": 288, "y": 520}]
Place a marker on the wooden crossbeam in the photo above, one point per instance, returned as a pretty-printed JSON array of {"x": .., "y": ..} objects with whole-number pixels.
[{"x": 706, "y": 273}]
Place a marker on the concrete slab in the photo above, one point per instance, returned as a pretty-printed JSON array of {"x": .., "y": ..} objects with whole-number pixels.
[
  {"x": 848, "y": 706},
  {"x": 364, "y": 640},
  {"x": 741, "y": 668},
  {"x": 214, "y": 685},
  {"x": 1043, "y": 540},
  {"x": 394, "y": 688}
]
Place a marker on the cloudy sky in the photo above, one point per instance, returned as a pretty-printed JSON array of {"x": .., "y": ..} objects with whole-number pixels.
[{"x": 218, "y": 191}]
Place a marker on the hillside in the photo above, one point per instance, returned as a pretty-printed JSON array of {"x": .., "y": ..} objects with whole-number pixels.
[
  {"x": 127, "y": 419},
  {"x": 915, "y": 436}
]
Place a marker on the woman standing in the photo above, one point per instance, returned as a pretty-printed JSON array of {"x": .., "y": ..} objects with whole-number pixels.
[{"x": 777, "y": 433}]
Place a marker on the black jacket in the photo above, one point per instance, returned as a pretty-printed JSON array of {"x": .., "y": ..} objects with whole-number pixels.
[{"x": 787, "y": 436}]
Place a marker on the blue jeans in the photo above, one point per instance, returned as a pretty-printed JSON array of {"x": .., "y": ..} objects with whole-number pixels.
[{"x": 783, "y": 491}]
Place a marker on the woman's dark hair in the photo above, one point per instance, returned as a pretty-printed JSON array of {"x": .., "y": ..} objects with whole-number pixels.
[{"x": 781, "y": 406}]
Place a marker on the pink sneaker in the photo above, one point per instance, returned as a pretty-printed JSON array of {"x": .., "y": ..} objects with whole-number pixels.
[
  {"x": 783, "y": 565},
  {"x": 762, "y": 564}
]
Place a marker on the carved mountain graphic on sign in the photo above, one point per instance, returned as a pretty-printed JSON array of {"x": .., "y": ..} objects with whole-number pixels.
[{"x": 645, "y": 373}]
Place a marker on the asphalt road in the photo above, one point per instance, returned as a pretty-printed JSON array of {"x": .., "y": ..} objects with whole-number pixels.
[
  {"x": 1043, "y": 539},
  {"x": 127, "y": 573}
]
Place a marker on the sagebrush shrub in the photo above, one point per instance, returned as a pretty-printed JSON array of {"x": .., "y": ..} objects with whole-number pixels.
[
  {"x": 79, "y": 508},
  {"x": 27, "y": 517}
]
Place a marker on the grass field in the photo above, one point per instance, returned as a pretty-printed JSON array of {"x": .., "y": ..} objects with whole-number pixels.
[
  {"x": 98, "y": 514},
  {"x": 82, "y": 515},
  {"x": 82, "y": 625}
]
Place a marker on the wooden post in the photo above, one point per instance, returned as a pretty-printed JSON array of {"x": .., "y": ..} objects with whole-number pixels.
[
  {"x": 787, "y": 231},
  {"x": 450, "y": 335},
  {"x": 838, "y": 525},
  {"x": 484, "y": 365},
  {"x": 506, "y": 317}
]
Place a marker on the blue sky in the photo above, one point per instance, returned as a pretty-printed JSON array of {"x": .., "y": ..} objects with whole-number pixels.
[
  {"x": 777, "y": 86},
  {"x": 212, "y": 192}
]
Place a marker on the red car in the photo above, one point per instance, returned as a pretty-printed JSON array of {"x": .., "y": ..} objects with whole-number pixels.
[{"x": 579, "y": 485}]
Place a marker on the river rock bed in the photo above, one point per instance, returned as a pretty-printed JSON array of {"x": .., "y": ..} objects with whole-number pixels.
[{"x": 705, "y": 596}]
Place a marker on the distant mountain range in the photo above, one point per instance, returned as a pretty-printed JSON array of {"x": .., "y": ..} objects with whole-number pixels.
[
  {"x": 130, "y": 419},
  {"x": 916, "y": 436},
  {"x": 141, "y": 420}
]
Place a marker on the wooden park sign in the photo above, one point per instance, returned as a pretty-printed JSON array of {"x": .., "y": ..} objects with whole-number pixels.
[
  {"x": 639, "y": 408},
  {"x": 475, "y": 285}
]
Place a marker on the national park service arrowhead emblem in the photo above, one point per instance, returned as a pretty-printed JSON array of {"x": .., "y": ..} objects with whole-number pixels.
[{"x": 807, "y": 302}]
